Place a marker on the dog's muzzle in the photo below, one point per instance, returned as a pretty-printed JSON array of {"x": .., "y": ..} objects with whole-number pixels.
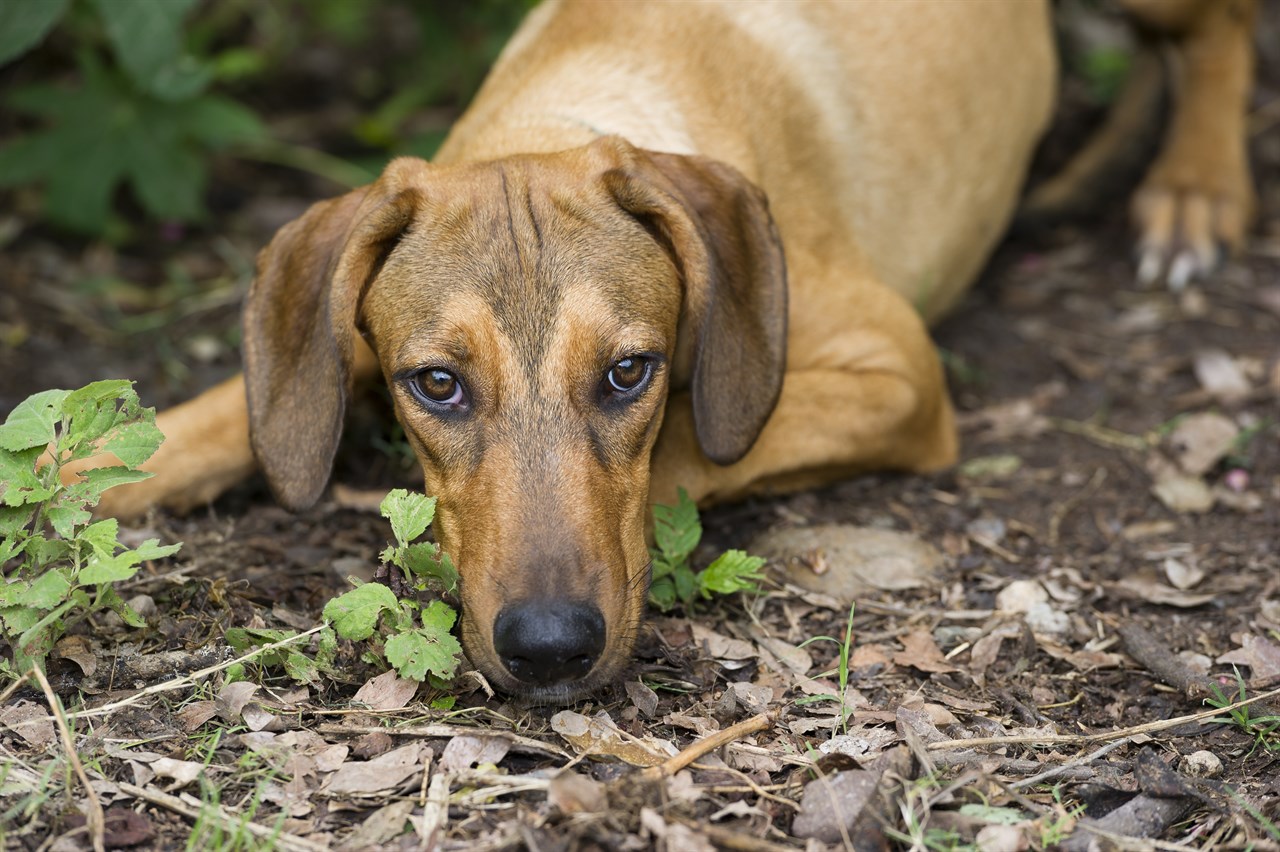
[{"x": 545, "y": 642}]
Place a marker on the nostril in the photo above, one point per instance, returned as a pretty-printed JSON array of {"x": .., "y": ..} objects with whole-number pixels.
[{"x": 547, "y": 642}]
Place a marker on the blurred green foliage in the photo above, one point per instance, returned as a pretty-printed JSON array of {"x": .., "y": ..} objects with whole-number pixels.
[{"x": 129, "y": 100}]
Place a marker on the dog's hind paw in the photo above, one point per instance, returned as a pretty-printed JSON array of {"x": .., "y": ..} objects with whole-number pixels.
[{"x": 1186, "y": 232}]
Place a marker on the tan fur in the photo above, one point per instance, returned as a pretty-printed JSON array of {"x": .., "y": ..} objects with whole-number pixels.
[{"x": 890, "y": 140}]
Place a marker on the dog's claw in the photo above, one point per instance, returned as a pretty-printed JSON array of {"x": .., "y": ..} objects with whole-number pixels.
[{"x": 1184, "y": 235}]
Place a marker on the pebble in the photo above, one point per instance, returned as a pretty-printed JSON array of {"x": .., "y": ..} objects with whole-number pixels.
[{"x": 1201, "y": 764}]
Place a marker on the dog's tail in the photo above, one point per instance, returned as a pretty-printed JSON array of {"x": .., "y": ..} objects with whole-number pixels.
[{"x": 1115, "y": 155}]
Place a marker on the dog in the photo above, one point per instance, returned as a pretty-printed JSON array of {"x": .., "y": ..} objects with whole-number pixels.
[{"x": 693, "y": 244}]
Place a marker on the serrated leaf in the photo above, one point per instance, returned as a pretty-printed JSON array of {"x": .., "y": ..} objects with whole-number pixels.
[
  {"x": 416, "y": 653},
  {"x": 32, "y": 422},
  {"x": 677, "y": 529},
  {"x": 25, "y": 23},
  {"x": 112, "y": 569},
  {"x": 67, "y": 515},
  {"x": 429, "y": 561},
  {"x": 134, "y": 443},
  {"x": 20, "y": 484},
  {"x": 43, "y": 593},
  {"x": 733, "y": 571},
  {"x": 410, "y": 514},
  {"x": 438, "y": 616},
  {"x": 354, "y": 614},
  {"x": 96, "y": 480},
  {"x": 300, "y": 667},
  {"x": 102, "y": 537}
]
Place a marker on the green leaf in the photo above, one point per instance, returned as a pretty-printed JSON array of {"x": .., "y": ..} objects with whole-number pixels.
[
  {"x": 44, "y": 593},
  {"x": 32, "y": 422},
  {"x": 19, "y": 482},
  {"x": 147, "y": 38},
  {"x": 66, "y": 516},
  {"x": 218, "y": 121},
  {"x": 111, "y": 599},
  {"x": 410, "y": 514},
  {"x": 416, "y": 653},
  {"x": 676, "y": 529},
  {"x": 25, "y": 23},
  {"x": 134, "y": 443},
  {"x": 355, "y": 614},
  {"x": 428, "y": 561},
  {"x": 98, "y": 479},
  {"x": 101, "y": 536},
  {"x": 733, "y": 571},
  {"x": 662, "y": 593},
  {"x": 101, "y": 569}
]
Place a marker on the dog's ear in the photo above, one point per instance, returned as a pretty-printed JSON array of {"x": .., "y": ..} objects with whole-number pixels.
[
  {"x": 300, "y": 327},
  {"x": 717, "y": 226}
]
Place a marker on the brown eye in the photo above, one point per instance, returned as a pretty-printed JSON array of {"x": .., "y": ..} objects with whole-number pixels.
[
  {"x": 437, "y": 387},
  {"x": 627, "y": 375}
]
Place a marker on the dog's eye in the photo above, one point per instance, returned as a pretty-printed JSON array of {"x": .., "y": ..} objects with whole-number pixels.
[
  {"x": 627, "y": 375},
  {"x": 437, "y": 387}
]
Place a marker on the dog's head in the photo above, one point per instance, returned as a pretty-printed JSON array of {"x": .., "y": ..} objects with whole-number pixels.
[{"x": 531, "y": 316}]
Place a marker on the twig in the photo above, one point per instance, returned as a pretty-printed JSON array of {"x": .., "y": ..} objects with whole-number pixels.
[
  {"x": 95, "y": 820},
  {"x": 708, "y": 744},
  {"x": 1104, "y": 736},
  {"x": 188, "y": 679},
  {"x": 1065, "y": 768},
  {"x": 1101, "y": 435},
  {"x": 228, "y": 819},
  {"x": 1069, "y": 505},
  {"x": 13, "y": 687},
  {"x": 435, "y": 731}
]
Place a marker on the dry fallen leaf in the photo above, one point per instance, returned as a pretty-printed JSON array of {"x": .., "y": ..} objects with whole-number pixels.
[
  {"x": 1261, "y": 655},
  {"x": 1220, "y": 375},
  {"x": 233, "y": 697},
  {"x": 572, "y": 793},
  {"x": 466, "y": 751},
  {"x": 1200, "y": 441},
  {"x": 920, "y": 651},
  {"x": 645, "y": 699},
  {"x": 1182, "y": 575},
  {"x": 600, "y": 736},
  {"x": 387, "y": 691},
  {"x": 1146, "y": 588},
  {"x": 30, "y": 721},
  {"x": 1182, "y": 493},
  {"x": 196, "y": 714},
  {"x": 183, "y": 772},
  {"x": 381, "y": 775},
  {"x": 857, "y": 560}
]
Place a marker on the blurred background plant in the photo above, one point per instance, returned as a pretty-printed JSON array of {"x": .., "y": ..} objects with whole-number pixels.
[{"x": 118, "y": 109}]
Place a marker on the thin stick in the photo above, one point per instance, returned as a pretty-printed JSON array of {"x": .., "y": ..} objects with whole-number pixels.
[
  {"x": 675, "y": 763},
  {"x": 188, "y": 679},
  {"x": 228, "y": 819},
  {"x": 434, "y": 731},
  {"x": 1064, "y": 768},
  {"x": 1105, "y": 736},
  {"x": 95, "y": 820}
]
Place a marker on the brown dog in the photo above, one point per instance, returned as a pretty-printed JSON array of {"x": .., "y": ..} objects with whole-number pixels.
[{"x": 583, "y": 302}]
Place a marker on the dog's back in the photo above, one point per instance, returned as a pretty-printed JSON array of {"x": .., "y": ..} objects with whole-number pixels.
[{"x": 845, "y": 113}]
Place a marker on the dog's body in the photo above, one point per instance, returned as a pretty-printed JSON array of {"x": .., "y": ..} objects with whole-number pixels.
[{"x": 582, "y": 303}]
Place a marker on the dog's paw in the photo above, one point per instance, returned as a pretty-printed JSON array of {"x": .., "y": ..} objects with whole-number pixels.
[{"x": 1187, "y": 229}]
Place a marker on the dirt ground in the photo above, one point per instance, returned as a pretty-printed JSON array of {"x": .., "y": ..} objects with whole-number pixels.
[{"x": 1108, "y": 546}]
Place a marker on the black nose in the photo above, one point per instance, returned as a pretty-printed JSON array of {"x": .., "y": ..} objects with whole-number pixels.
[{"x": 545, "y": 642}]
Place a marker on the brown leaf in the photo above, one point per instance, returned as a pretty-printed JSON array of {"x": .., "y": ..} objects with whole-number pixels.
[
  {"x": 1200, "y": 441},
  {"x": 372, "y": 744},
  {"x": 1220, "y": 375},
  {"x": 196, "y": 714},
  {"x": 921, "y": 652},
  {"x": 1146, "y": 588},
  {"x": 76, "y": 649},
  {"x": 30, "y": 721},
  {"x": 645, "y": 699},
  {"x": 466, "y": 751},
  {"x": 233, "y": 697},
  {"x": 1261, "y": 655},
  {"x": 380, "y": 775},
  {"x": 600, "y": 736},
  {"x": 572, "y": 793},
  {"x": 387, "y": 691},
  {"x": 857, "y": 560}
]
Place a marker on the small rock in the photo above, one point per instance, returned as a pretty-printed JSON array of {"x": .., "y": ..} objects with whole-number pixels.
[
  {"x": 1043, "y": 618},
  {"x": 1201, "y": 764},
  {"x": 828, "y": 804},
  {"x": 1021, "y": 596},
  {"x": 1001, "y": 838}
]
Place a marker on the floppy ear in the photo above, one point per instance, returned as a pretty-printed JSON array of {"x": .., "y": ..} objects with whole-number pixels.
[
  {"x": 300, "y": 326},
  {"x": 717, "y": 226}
]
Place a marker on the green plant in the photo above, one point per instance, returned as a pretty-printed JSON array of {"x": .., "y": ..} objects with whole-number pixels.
[
  {"x": 676, "y": 532},
  {"x": 146, "y": 121},
  {"x": 216, "y": 828},
  {"x": 415, "y": 639},
  {"x": 1057, "y": 824},
  {"x": 1265, "y": 730},
  {"x": 841, "y": 672},
  {"x": 60, "y": 564}
]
